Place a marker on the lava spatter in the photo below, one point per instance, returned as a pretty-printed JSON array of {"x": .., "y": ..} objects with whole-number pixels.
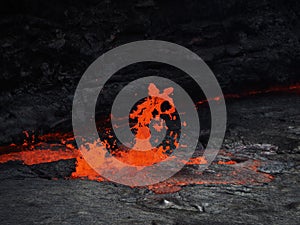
[{"x": 52, "y": 147}]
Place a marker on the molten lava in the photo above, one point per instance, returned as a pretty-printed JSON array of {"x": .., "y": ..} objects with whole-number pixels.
[
  {"x": 280, "y": 89},
  {"x": 150, "y": 109},
  {"x": 61, "y": 146}
]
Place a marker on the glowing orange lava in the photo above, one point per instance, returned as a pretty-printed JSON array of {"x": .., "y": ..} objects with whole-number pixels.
[
  {"x": 144, "y": 114},
  {"x": 61, "y": 146},
  {"x": 38, "y": 156},
  {"x": 289, "y": 89}
]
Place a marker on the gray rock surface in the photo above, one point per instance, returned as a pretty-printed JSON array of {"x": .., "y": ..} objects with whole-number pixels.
[
  {"x": 27, "y": 198},
  {"x": 46, "y": 47}
]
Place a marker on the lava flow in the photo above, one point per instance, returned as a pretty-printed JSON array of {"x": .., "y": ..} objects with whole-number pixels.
[
  {"x": 295, "y": 88},
  {"x": 61, "y": 146},
  {"x": 230, "y": 172}
]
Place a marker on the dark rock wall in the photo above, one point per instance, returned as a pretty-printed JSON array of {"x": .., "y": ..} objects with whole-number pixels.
[{"x": 45, "y": 46}]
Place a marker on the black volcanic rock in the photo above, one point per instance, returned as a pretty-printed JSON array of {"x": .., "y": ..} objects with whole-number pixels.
[
  {"x": 46, "y": 47},
  {"x": 57, "y": 169}
]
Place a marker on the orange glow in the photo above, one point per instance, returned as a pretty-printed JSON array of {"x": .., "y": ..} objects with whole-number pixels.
[
  {"x": 231, "y": 162},
  {"x": 292, "y": 89},
  {"x": 38, "y": 156},
  {"x": 196, "y": 161},
  {"x": 60, "y": 146},
  {"x": 243, "y": 174},
  {"x": 84, "y": 171},
  {"x": 144, "y": 114}
]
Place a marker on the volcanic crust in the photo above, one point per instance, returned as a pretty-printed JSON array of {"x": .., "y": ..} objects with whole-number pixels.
[{"x": 251, "y": 46}]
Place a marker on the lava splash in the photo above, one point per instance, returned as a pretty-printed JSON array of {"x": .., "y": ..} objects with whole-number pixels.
[{"x": 53, "y": 147}]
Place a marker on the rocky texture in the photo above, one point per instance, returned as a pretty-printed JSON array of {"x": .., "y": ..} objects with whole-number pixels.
[
  {"x": 45, "y": 48},
  {"x": 27, "y": 198},
  {"x": 37, "y": 201}
]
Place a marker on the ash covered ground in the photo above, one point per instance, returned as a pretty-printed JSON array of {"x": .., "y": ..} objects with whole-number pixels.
[{"x": 45, "y": 48}]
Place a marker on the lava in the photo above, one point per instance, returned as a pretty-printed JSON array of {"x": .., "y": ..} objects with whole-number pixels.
[
  {"x": 295, "y": 88},
  {"x": 52, "y": 147},
  {"x": 239, "y": 173},
  {"x": 150, "y": 109},
  {"x": 230, "y": 162},
  {"x": 38, "y": 156},
  {"x": 85, "y": 171}
]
